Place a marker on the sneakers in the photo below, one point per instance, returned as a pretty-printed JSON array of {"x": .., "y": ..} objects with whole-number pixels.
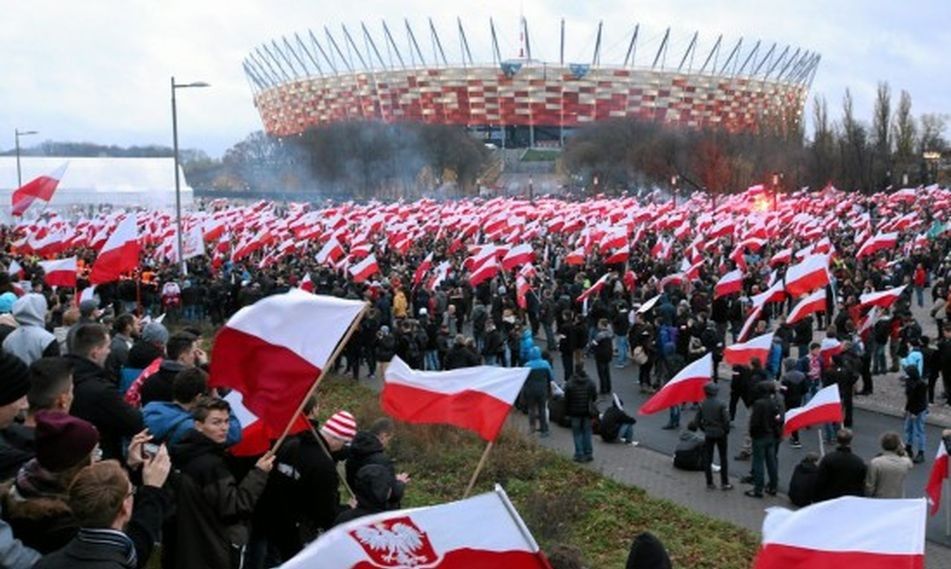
[
  {"x": 753, "y": 494},
  {"x": 711, "y": 486},
  {"x": 795, "y": 444},
  {"x": 632, "y": 444},
  {"x": 726, "y": 487}
]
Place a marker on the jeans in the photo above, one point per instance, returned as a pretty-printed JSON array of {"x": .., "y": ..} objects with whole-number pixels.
[
  {"x": 915, "y": 430},
  {"x": 537, "y": 412},
  {"x": 550, "y": 337},
  {"x": 720, "y": 444},
  {"x": 674, "y": 413},
  {"x": 626, "y": 433},
  {"x": 604, "y": 376},
  {"x": 491, "y": 360},
  {"x": 920, "y": 296},
  {"x": 764, "y": 454},
  {"x": 879, "y": 365},
  {"x": 622, "y": 347},
  {"x": 432, "y": 360},
  {"x": 829, "y": 430},
  {"x": 581, "y": 432}
]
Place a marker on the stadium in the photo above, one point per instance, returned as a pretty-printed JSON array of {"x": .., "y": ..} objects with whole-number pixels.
[{"x": 519, "y": 98}]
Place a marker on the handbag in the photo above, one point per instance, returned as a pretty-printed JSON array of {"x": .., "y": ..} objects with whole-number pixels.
[{"x": 639, "y": 356}]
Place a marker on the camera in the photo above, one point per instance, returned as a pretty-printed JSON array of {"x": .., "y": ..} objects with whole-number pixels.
[{"x": 149, "y": 450}]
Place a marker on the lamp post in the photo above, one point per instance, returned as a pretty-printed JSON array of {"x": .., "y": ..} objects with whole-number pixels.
[
  {"x": 931, "y": 159},
  {"x": 178, "y": 191},
  {"x": 17, "y": 133},
  {"x": 777, "y": 180},
  {"x": 674, "y": 180}
]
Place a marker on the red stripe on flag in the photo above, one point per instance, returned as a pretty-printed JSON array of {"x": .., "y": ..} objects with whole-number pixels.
[
  {"x": 828, "y": 413},
  {"x": 111, "y": 264},
  {"x": 471, "y": 410},
  {"x": 675, "y": 393},
  {"x": 775, "y": 556}
]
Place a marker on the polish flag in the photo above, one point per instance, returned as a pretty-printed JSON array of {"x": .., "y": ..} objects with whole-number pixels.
[
  {"x": 807, "y": 276},
  {"x": 518, "y": 255},
  {"x": 521, "y": 289},
  {"x": 256, "y": 435},
  {"x": 648, "y": 304},
  {"x": 829, "y": 347},
  {"x": 332, "y": 251},
  {"x": 824, "y": 407},
  {"x": 880, "y": 242},
  {"x": 939, "y": 473},
  {"x": 618, "y": 257},
  {"x": 595, "y": 288},
  {"x": 120, "y": 254},
  {"x": 729, "y": 283},
  {"x": 433, "y": 536},
  {"x": 743, "y": 353},
  {"x": 881, "y": 534},
  {"x": 814, "y": 302},
  {"x": 738, "y": 257},
  {"x": 269, "y": 353},
  {"x": 477, "y": 398},
  {"x": 486, "y": 271},
  {"x": 61, "y": 272},
  {"x": 575, "y": 257},
  {"x": 40, "y": 188},
  {"x": 422, "y": 269},
  {"x": 364, "y": 269},
  {"x": 306, "y": 284},
  {"x": 882, "y": 299},
  {"x": 15, "y": 269},
  {"x": 685, "y": 387},
  {"x": 750, "y": 320},
  {"x": 629, "y": 280},
  {"x": 781, "y": 258}
]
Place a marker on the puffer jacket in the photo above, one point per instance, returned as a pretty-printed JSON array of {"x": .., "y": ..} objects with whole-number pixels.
[
  {"x": 372, "y": 486},
  {"x": 35, "y": 507},
  {"x": 539, "y": 379},
  {"x": 580, "y": 392},
  {"x": 31, "y": 341},
  {"x": 170, "y": 422},
  {"x": 366, "y": 449}
]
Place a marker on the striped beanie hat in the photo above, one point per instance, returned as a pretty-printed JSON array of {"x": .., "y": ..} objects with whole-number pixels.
[{"x": 341, "y": 425}]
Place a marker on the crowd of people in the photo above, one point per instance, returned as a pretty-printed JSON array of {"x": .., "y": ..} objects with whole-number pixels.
[{"x": 112, "y": 440}]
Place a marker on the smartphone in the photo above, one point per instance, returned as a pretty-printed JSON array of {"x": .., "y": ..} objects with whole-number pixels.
[{"x": 149, "y": 450}]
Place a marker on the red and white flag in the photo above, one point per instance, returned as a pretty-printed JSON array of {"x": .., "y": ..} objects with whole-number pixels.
[
  {"x": 331, "y": 251},
  {"x": 256, "y": 435},
  {"x": 685, "y": 387},
  {"x": 521, "y": 290},
  {"x": 364, "y": 269},
  {"x": 595, "y": 288},
  {"x": 422, "y": 269},
  {"x": 807, "y": 276},
  {"x": 269, "y": 353},
  {"x": 306, "y": 284},
  {"x": 750, "y": 321},
  {"x": 881, "y": 534},
  {"x": 743, "y": 353},
  {"x": 824, "y": 407},
  {"x": 879, "y": 242},
  {"x": 435, "y": 536},
  {"x": 61, "y": 272},
  {"x": 829, "y": 347},
  {"x": 939, "y": 473},
  {"x": 486, "y": 270},
  {"x": 729, "y": 283},
  {"x": 518, "y": 255},
  {"x": 40, "y": 188},
  {"x": 881, "y": 299},
  {"x": 119, "y": 255},
  {"x": 810, "y": 304},
  {"x": 474, "y": 398},
  {"x": 781, "y": 258},
  {"x": 575, "y": 257}
]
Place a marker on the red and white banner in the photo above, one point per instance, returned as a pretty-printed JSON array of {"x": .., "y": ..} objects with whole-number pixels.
[
  {"x": 883, "y": 298},
  {"x": 331, "y": 251},
  {"x": 518, "y": 255},
  {"x": 268, "y": 351},
  {"x": 595, "y": 288},
  {"x": 807, "y": 276},
  {"x": 810, "y": 304},
  {"x": 61, "y": 272},
  {"x": 880, "y": 242},
  {"x": 364, "y": 269},
  {"x": 939, "y": 473},
  {"x": 119, "y": 255},
  {"x": 729, "y": 283},
  {"x": 39, "y": 188},
  {"x": 441, "y": 536},
  {"x": 487, "y": 270},
  {"x": 847, "y": 532},
  {"x": 824, "y": 407},
  {"x": 422, "y": 269},
  {"x": 685, "y": 387},
  {"x": 473, "y": 398},
  {"x": 743, "y": 353},
  {"x": 256, "y": 435}
]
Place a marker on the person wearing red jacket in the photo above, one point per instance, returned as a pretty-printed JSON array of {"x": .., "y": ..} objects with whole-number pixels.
[{"x": 919, "y": 279}]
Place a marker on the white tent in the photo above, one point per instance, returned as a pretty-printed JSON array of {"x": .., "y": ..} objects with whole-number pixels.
[{"x": 118, "y": 182}]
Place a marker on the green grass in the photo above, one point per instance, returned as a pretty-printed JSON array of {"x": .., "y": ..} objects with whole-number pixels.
[
  {"x": 539, "y": 155},
  {"x": 562, "y": 503}
]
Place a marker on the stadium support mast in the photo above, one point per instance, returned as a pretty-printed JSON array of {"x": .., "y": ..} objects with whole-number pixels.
[
  {"x": 310, "y": 55},
  {"x": 749, "y": 58},
  {"x": 296, "y": 55},
  {"x": 528, "y": 43},
  {"x": 596, "y": 58},
  {"x": 561, "y": 51},
  {"x": 392, "y": 44},
  {"x": 661, "y": 50},
  {"x": 715, "y": 50},
  {"x": 632, "y": 47},
  {"x": 736, "y": 50},
  {"x": 333, "y": 44},
  {"x": 689, "y": 52},
  {"x": 464, "y": 44},
  {"x": 437, "y": 45},
  {"x": 413, "y": 43},
  {"x": 372, "y": 44},
  {"x": 496, "y": 54},
  {"x": 766, "y": 57},
  {"x": 320, "y": 48}
]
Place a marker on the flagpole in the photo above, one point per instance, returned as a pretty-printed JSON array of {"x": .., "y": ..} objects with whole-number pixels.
[
  {"x": 475, "y": 475},
  {"x": 947, "y": 507},
  {"x": 326, "y": 450},
  {"x": 336, "y": 353},
  {"x": 822, "y": 448}
]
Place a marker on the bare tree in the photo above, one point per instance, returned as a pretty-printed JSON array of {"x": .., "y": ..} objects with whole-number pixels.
[
  {"x": 904, "y": 133},
  {"x": 881, "y": 139}
]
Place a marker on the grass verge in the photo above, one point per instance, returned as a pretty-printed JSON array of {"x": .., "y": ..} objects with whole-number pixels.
[{"x": 562, "y": 503}]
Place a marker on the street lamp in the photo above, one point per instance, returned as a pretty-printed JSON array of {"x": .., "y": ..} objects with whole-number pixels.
[
  {"x": 17, "y": 133},
  {"x": 178, "y": 191},
  {"x": 931, "y": 159},
  {"x": 673, "y": 184},
  {"x": 777, "y": 180}
]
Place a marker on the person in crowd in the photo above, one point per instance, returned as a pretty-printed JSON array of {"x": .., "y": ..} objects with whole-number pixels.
[
  {"x": 169, "y": 421},
  {"x": 841, "y": 472},
  {"x": 210, "y": 527},
  {"x": 794, "y": 386},
  {"x": 30, "y": 341},
  {"x": 149, "y": 346},
  {"x": 385, "y": 349},
  {"x": 182, "y": 353},
  {"x": 802, "y": 485},
  {"x": 603, "y": 348},
  {"x": 811, "y": 365},
  {"x": 765, "y": 431},
  {"x": 616, "y": 424},
  {"x": 7, "y": 322},
  {"x": 95, "y": 397},
  {"x": 51, "y": 389},
  {"x": 888, "y": 470},
  {"x": 537, "y": 391},
  {"x": 13, "y": 402},
  {"x": 368, "y": 447},
  {"x": 580, "y": 406},
  {"x": 714, "y": 420},
  {"x": 916, "y": 412},
  {"x": 124, "y": 329},
  {"x": 647, "y": 552},
  {"x": 461, "y": 355},
  {"x": 374, "y": 486}
]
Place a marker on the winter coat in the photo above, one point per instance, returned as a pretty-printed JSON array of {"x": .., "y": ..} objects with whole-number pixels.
[
  {"x": 385, "y": 348},
  {"x": 212, "y": 507},
  {"x": 580, "y": 393},
  {"x": 914, "y": 358},
  {"x": 886, "y": 475},
  {"x": 647, "y": 552},
  {"x": 795, "y": 383},
  {"x": 143, "y": 531},
  {"x": 766, "y": 415},
  {"x": 603, "y": 346},
  {"x": 158, "y": 386},
  {"x": 494, "y": 343},
  {"x": 14, "y": 453},
  {"x": 802, "y": 485},
  {"x": 170, "y": 422},
  {"x": 841, "y": 473},
  {"x": 97, "y": 400},
  {"x": 525, "y": 345},
  {"x": 366, "y": 449},
  {"x": 611, "y": 421},
  {"x": 538, "y": 384},
  {"x": 373, "y": 486},
  {"x": 713, "y": 418},
  {"x": 35, "y": 506},
  {"x": 461, "y": 356},
  {"x": 141, "y": 354},
  {"x": 30, "y": 341},
  {"x": 916, "y": 394}
]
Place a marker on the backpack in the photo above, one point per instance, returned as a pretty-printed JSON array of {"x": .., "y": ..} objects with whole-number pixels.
[
  {"x": 689, "y": 452},
  {"x": 668, "y": 340}
]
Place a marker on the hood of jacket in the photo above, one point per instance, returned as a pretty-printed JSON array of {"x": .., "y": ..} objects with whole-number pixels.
[
  {"x": 30, "y": 310},
  {"x": 373, "y": 486},
  {"x": 163, "y": 417},
  {"x": 365, "y": 444},
  {"x": 193, "y": 445}
]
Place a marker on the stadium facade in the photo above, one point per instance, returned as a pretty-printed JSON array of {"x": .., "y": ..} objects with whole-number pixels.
[{"x": 311, "y": 79}]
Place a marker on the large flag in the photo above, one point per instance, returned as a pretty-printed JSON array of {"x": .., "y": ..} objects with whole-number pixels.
[
  {"x": 809, "y": 304},
  {"x": 435, "y": 536},
  {"x": 824, "y": 407},
  {"x": 120, "y": 254},
  {"x": 744, "y": 352},
  {"x": 939, "y": 473},
  {"x": 474, "y": 398},
  {"x": 422, "y": 269},
  {"x": 807, "y": 276},
  {"x": 879, "y": 242},
  {"x": 846, "y": 532},
  {"x": 882, "y": 299},
  {"x": 268, "y": 351},
  {"x": 518, "y": 255},
  {"x": 40, "y": 188},
  {"x": 364, "y": 269},
  {"x": 729, "y": 283},
  {"x": 685, "y": 387},
  {"x": 595, "y": 288},
  {"x": 61, "y": 272},
  {"x": 256, "y": 435}
]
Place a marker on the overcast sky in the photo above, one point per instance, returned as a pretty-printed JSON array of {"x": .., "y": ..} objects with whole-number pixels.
[{"x": 99, "y": 70}]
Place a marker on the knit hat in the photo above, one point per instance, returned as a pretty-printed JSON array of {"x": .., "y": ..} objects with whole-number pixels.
[
  {"x": 16, "y": 378},
  {"x": 63, "y": 441},
  {"x": 155, "y": 333},
  {"x": 6, "y": 302},
  {"x": 88, "y": 307},
  {"x": 341, "y": 425}
]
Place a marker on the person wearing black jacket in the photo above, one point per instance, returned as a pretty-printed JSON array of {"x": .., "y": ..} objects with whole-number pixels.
[
  {"x": 802, "y": 485},
  {"x": 494, "y": 346},
  {"x": 944, "y": 361},
  {"x": 840, "y": 375},
  {"x": 916, "y": 411},
  {"x": 794, "y": 389},
  {"x": 95, "y": 398},
  {"x": 841, "y": 473},
  {"x": 713, "y": 419},
  {"x": 765, "y": 431},
  {"x": 373, "y": 486},
  {"x": 580, "y": 397},
  {"x": 385, "y": 349},
  {"x": 368, "y": 448},
  {"x": 615, "y": 422},
  {"x": 460, "y": 355}
]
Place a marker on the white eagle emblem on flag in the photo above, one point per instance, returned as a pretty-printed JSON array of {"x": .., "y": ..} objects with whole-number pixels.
[{"x": 395, "y": 543}]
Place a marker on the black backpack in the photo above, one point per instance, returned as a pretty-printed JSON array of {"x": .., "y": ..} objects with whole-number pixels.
[{"x": 689, "y": 452}]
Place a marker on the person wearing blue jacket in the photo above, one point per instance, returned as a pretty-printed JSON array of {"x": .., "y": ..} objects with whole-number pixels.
[
  {"x": 169, "y": 422},
  {"x": 774, "y": 360},
  {"x": 537, "y": 391},
  {"x": 526, "y": 345}
]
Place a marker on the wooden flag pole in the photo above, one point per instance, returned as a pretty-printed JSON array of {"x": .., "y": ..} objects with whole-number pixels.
[
  {"x": 475, "y": 475},
  {"x": 822, "y": 448},
  {"x": 326, "y": 450},
  {"x": 947, "y": 506},
  {"x": 333, "y": 357}
]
